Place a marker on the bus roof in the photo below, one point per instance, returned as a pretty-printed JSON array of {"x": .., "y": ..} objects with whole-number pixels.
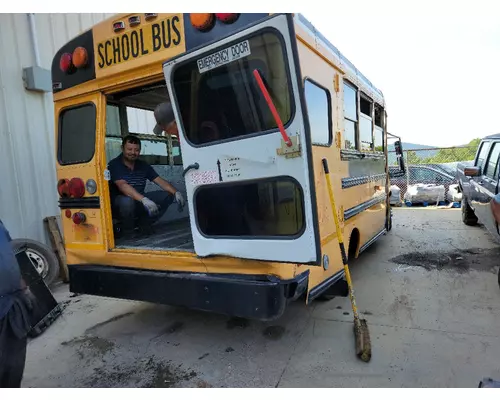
[
  {"x": 347, "y": 66},
  {"x": 104, "y": 29}
]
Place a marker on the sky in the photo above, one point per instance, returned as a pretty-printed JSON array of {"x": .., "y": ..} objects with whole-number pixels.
[{"x": 437, "y": 63}]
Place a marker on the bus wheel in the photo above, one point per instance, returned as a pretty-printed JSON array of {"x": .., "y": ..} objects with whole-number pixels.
[
  {"x": 389, "y": 222},
  {"x": 42, "y": 257}
]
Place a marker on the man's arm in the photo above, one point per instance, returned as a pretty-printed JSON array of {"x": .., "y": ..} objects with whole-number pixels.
[
  {"x": 165, "y": 185},
  {"x": 128, "y": 190},
  {"x": 9, "y": 239}
]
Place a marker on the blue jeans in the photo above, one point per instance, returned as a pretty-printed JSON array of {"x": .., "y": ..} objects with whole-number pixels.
[{"x": 129, "y": 209}]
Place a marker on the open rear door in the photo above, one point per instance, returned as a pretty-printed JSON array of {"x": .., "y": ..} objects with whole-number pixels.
[{"x": 245, "y": 144}]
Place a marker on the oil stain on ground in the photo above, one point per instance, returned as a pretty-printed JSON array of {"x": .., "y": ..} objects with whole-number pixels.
[
  {"x": 237, "y": 323},
  {"x": 146, "y": 373},
  {"x": 274, "y": 332},
  {"x": 109, "y": 321},
  {"x": 92, "y": 344},
  {"x": 461, "y": 261}
]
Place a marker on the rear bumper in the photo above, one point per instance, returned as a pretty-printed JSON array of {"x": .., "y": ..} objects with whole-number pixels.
[{"x": 261, "y": 297}]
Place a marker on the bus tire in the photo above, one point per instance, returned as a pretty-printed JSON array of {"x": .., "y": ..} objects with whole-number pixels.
[
  {"x": 41, "y": 256},
  {"x": 389, "y": 221},
  {"x": 351, "y": 255},
  {"x": 468, "y": 215}
]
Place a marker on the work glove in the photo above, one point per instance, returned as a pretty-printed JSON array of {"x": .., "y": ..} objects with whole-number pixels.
[
  {"x": 151, "y": 206},
  {"x": 179, "y": 198}
]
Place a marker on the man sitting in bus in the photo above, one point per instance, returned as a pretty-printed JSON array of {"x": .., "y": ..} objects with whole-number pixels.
[{"x": 128, "y": 177}]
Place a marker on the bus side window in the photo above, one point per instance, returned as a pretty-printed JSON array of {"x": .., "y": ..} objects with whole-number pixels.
[
  {"x": 379, "y": 129},
  {"x": 319, "y": 112},
  {"x": 113, "y": 132},
  {"x": 365, "y": 123},
  {"x": 350, "y": 116}
]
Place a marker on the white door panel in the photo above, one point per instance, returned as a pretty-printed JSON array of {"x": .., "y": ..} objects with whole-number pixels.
[{"x": 253, "y": 158}]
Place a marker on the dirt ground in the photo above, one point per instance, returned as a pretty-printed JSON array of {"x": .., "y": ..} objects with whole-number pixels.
[{"x": 428, "y": 290}]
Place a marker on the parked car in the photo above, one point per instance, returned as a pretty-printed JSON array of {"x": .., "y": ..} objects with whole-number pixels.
[{"x": 426, "y": 174}]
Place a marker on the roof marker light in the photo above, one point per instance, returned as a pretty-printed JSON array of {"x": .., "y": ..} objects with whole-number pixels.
[
  {"x": 119, "y": 26},
  {"x": 134, "y": 21}
]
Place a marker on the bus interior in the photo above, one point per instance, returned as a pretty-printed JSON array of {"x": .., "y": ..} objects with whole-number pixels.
[{"x": 131, "y": 112}]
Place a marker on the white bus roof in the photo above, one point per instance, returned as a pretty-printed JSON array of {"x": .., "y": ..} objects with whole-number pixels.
[{"x": 352, "y": 73}]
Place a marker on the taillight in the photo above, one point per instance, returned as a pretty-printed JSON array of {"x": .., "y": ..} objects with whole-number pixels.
[
  {"x": 91, "y": 186},
  {"x": 80, "y": 57},
  {"x": 66, "y": 63},
  {"x": 227, "y": 18},
  {"x": 68, "y": 213},
  {"x": 63, "y": 188},
  {"x": 79, "y": 218},
  {"x": 76, "y": 187},
  {"x": 202, "y": 21}
]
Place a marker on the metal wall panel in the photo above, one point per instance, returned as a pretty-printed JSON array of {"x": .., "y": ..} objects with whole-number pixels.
[{"x": 27, "y": 165}]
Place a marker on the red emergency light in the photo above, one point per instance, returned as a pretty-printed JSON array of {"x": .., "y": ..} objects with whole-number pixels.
[
  {"x": 79, "y": 218},
  {"x": 66, "y": 63},
  {"x": 226, "y": 17},
  {"x": 63, "y": 187},
  {"x": 76, "y": 188}
]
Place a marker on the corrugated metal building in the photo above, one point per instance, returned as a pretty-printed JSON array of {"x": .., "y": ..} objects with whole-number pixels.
[{"x": 27, "y": 164}]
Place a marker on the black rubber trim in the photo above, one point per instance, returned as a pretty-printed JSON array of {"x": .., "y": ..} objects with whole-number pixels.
[
  {"x": 346, "y": 154},
  {"x": 351, "y": 212},
  {"x": 317, "y": 290},
  {"x": 361, "y": 180},
  {"x": 372, "y": 240},
  {"x": 86, "y": 202}
]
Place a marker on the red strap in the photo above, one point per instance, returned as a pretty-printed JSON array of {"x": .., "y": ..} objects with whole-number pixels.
[{"x": 270, "y": 103}]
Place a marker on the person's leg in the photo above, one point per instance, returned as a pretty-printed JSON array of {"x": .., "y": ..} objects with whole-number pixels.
[
  {"x": 12, "y": 357},
  {"x": 163, "y": 200},
  {"x": 126, "y": 208},
  {"x": 15, "y": 363}
]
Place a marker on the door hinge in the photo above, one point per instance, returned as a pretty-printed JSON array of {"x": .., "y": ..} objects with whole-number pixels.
[
  {"x": 337, "y": 139},
  {"x": 336, "y": 83},
  {"x": 290, "y": 151}
]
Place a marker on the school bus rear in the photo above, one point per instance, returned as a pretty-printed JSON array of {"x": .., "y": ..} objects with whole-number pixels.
[{"x": 251, "y": 271}]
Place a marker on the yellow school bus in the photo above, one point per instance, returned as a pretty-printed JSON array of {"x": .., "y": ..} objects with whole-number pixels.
[{"x": 257, "y": 230}]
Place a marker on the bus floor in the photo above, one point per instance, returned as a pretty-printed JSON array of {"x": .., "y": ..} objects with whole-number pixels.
[{"x": 170, "y": 235}]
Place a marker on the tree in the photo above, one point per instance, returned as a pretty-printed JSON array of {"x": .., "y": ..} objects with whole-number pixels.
[{"x": 455, "y": 154}]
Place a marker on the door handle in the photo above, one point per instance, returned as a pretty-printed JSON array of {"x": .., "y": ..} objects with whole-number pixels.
[{"x": 192, "y": 166}]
